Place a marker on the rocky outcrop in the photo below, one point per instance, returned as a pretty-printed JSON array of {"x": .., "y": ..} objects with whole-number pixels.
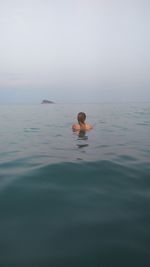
[{"x": 45, "y": 101}]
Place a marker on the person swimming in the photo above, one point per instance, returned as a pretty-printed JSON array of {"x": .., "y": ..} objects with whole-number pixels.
[{"x": 81, "y": 125}]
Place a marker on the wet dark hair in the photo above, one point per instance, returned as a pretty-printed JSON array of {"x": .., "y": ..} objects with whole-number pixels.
[{"x": 81, "y": 117}]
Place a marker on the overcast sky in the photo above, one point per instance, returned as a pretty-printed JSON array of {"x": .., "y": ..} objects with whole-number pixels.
[{"x": 74, "y": 50}]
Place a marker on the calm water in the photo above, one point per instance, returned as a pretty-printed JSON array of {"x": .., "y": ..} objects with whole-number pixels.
[{"x": 70, "y": 199}]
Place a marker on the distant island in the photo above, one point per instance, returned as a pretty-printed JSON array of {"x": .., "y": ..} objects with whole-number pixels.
[{"x": 45, "y": 101}]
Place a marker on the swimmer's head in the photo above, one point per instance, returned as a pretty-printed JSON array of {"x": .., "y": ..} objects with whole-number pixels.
[{"x": 81, "y": 117}]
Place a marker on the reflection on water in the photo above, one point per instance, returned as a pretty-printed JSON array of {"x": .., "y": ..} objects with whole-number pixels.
[{"x": 82, "y": 137}]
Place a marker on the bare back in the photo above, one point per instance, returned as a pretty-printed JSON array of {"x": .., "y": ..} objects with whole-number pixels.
[{"x": 85, "y": 127}]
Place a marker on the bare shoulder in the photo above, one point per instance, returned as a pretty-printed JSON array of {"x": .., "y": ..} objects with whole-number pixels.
[
  {"x": 75, "y": 127},
  {"x": 89, "y": 126}
]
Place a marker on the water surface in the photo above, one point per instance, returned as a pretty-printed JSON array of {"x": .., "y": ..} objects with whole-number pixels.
[{"x": 75, "y": 199}]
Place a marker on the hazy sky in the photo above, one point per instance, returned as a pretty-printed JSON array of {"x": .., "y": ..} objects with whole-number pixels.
[{"x": 74, "y": 50}]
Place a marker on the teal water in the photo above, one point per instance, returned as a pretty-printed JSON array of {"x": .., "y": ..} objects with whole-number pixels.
[{"x": 70, "y": 199}]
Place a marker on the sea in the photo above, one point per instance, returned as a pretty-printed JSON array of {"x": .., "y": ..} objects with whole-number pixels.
[{"x": 75, "y": 199}]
